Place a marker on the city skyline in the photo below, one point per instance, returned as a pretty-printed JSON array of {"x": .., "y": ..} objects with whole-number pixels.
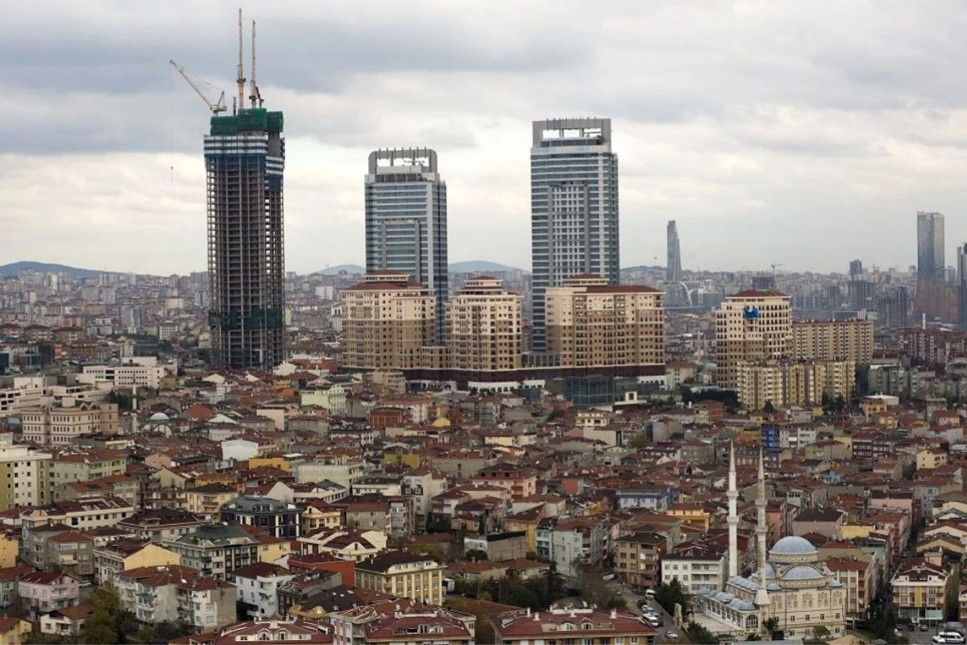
[{"x": 802, "y": 135}]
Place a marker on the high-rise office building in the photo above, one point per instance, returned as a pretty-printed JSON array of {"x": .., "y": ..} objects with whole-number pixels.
[
  {"x": 574, "y": 208},
  {"x": 855, "y": 268},
  {"x": 406, "y": 221},
  {"x": 930, "y": 245},
  {"x": 930, "y": 265},
  {"x": 673, "y": 266},
  {"x": 962, "y": 287},
  {"x": 244, "y": 159}
]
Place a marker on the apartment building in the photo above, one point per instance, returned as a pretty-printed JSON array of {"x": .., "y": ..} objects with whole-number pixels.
[
  {"x": 121, "y": 555},
  {"x": 577, "y": 542},
  {"x": 177, "y": 594},
  {"x": 590, "y": 323},
  {"x": 258, "y": 586},
  {"x": 858, "y": 578},
  {"x": 132, "y": 371},
  {"x": 697, "y": 566},
  {"x": 920, "y": 589},
  {"x": 403, "y": 575},
  {"x": 387, "y": 323},
  {"x": 85, "y": 466},
  {"x": 400, "y": 623},
  {"x": 586, "y": 625},
  {"x": 216, "y": 549},
  {"x": 484, "y": 328},
  {"x": 81, "y": 515},
  {"x": 60, "y": 425},
  {"x": 24, "y": 475},
  {"x": 276, "y": 518},
  {"x": 752, "y": 325},
  {"x": 788, "y": 383},
  {"x": 833, "y": 340},
  {"x": 637, "y": 559}
]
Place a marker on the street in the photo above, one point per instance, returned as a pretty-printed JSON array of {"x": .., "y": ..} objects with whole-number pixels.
[{"x": 632, "y": 599}]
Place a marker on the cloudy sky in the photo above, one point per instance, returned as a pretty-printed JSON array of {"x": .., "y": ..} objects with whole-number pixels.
[{"x": 805, "y": 133}]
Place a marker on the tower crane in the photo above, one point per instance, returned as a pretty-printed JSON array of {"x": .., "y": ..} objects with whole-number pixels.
[
  {"x": 217, "y": 106},
  {"x": 774, "y": 267}
]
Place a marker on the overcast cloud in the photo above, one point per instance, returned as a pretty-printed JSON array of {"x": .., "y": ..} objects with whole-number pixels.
[{"x": 774, "y": 131}]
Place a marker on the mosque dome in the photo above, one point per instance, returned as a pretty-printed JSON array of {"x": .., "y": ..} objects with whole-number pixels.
[
  {"x": 792, "y": 545},
  {"x": 802, "y": 573}
]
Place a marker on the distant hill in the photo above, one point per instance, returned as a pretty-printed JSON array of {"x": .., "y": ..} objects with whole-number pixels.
[
  {"x": 339, "y": 268},
  {"x": 13, "y": 269},
  {"x": 479, "y": 266}
]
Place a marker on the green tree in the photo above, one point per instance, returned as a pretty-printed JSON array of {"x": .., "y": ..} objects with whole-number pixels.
[
  {"x": 820, "y": 632},
  {"x": 671, "y": 594},
  {"x": 639, "y": 440},
  {"x": 768, "y": 408},
  {"x": 699, "y": 634},
  {"x": 476, "y": 555}
]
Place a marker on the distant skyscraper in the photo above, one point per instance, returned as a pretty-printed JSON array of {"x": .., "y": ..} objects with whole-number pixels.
[
  {"x": 855, "y": 268},
  {"x": 673, "y": 265},
  {"x": 406, "y": 221},
  {"x": 244, "y": 159},
  {"x": 930, "y": 264},
  {"x": 962, "y": 287},
  {"x": 930, "y": 244},
  {"x": 574, "y": 207}
]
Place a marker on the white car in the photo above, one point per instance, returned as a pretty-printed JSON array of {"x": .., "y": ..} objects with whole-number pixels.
[{"x": 671, "y": 635}]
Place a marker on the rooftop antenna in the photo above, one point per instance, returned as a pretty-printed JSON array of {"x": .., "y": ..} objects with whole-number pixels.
[{"x": 241, "y": 69}]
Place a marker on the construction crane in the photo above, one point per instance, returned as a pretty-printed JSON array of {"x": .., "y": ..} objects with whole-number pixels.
[
  {"x": 774, "y": 267},
  {"x": 216, "y": 107}
]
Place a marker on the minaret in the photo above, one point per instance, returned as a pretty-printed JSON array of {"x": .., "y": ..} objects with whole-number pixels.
[
  {"x": 733, "y": 495},
  {"x": 761, "y": 594}
]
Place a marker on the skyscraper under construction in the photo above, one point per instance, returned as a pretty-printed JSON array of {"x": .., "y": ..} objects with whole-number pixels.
[{"x": 244, "y": 159}]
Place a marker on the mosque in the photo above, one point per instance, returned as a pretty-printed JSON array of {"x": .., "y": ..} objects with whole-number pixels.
[{"x": 790, "y": 585}]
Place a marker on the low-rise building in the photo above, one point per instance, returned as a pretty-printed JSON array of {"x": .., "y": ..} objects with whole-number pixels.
[
  {"x": 590, "y": 625},
  {"x": 121, "y": 555},
  {"x": 177, "y": 594},
  {"x": 920, "y": 591},
  {"x": 273, "y": 631},
  {"x": 404, "y": 575},
  {"x": 637, "y": 559},
  {"x": 276, "y": 518},
  {"x": 216, "y": 549},
  {"x": 697, "y": 565},
  {"x": 41, "y": 592},
  {"x": 65, "y": 622},
  {"x": 402, "y": 624},
  {"x": 257, "y": 586}
]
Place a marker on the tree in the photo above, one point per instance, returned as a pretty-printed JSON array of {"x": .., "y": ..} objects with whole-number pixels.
[
  {"x": 699, "y": 634},
  {"x": 768, "y": 408},
  {"x": 771, "y": 625},
  {"x": 476, "y": 554},
  {"x": 820, "y": 632},
  {"x": 639, "y": 440},
  {"x": 671, "y": 594}
]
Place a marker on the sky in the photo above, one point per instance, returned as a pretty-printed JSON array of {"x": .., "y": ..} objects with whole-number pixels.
[{"x": 799, "y": 133}]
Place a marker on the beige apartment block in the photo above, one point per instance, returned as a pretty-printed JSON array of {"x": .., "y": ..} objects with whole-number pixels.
[
  {"x": 593, "y": 324},
  {"x": 793, "y": 383},
  {"x": 388, "y": 322},
  {"x": 752, "y": 325},
  {"x": 833, "y": 340},
  {"x": 484, "y": 327}
]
